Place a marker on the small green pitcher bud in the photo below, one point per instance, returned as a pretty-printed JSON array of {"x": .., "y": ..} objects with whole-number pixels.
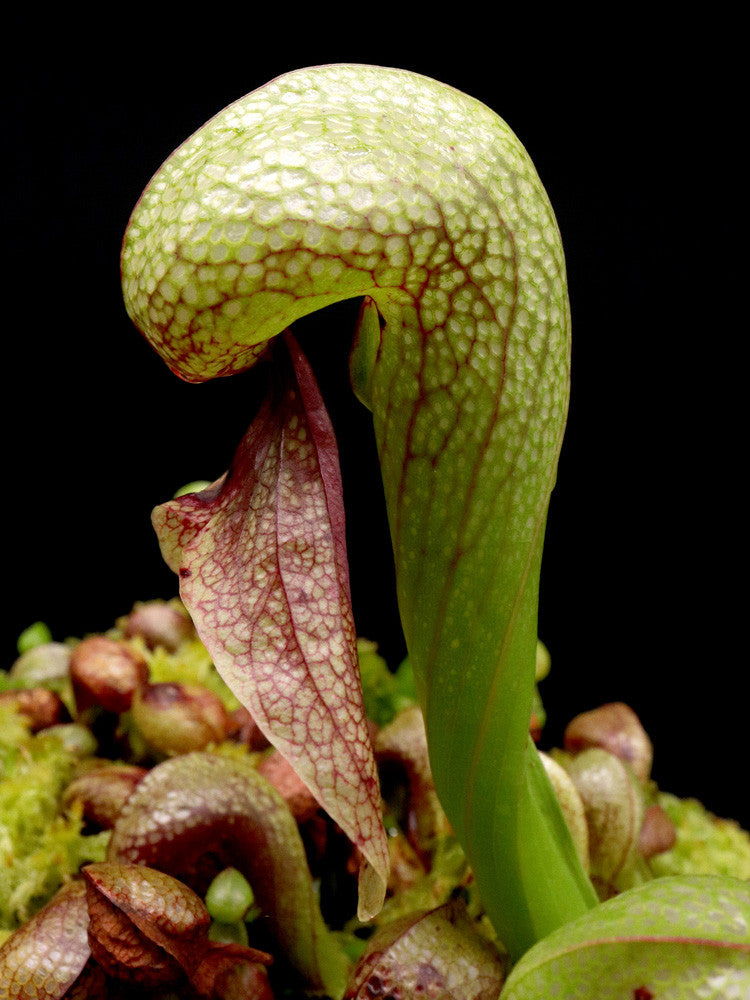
[{"x": 178, "y": 718}]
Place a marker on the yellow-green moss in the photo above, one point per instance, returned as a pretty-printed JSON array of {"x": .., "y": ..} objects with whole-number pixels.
[
  {"x": 705, "y": 844},
  {"x": 189, "y": 664},
  {"x": 40, "y": 846}
]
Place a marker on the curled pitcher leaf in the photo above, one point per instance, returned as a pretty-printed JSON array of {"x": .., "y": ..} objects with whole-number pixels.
[
  {"x": 613, "y": 801},
  {"x": 103, "y": 791},
  {"x": 148, "y": 929},
  {"x": 262, "y": 563},
  {"x": 202, "y": 804},
  {"x": 437, "y": 954},
  {"x": 616, "y": 728},
  {"x": 47, "y": 956},
  {"x": 145, "y": 927},
  {"x": 177, "y": 718},
  {"x": 349, "y": 181},
  {"x": 673, "y": 939}
]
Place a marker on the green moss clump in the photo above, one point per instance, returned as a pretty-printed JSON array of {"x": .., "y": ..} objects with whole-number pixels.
[
  {"x": 705, "y": 845},
  {"x": 189, "y": 664},
  {"x": 40, "y": 846}
]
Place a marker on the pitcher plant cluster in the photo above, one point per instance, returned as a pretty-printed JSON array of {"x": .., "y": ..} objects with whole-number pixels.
[{"x": 352, "y": 181}]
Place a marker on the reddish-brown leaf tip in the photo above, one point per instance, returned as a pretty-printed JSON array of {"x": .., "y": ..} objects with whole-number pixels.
[{"x": 262, "y": 559}]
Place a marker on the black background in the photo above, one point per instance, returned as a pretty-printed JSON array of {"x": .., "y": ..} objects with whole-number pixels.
[{"x": 631, "y": 131}]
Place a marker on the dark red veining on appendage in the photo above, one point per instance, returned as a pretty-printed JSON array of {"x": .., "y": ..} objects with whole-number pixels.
[{"x": 264, "y": 574}]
